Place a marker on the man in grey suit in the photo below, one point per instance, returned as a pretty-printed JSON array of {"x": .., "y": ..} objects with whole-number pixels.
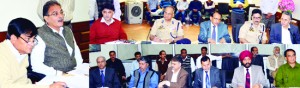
[
  {"x": 248, "y": 76},
  {"x": 208, "y": 76},
  {"x": 213, "y": 31}
]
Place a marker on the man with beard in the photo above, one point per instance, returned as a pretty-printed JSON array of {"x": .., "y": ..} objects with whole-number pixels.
[
  {"x": 253, "y": 31},
  {"x": 107, "y": 28},
  {"x": 248, "y": 76},
  {"x": 257, "y": 59},
  {"x": 275, "y": 61}
]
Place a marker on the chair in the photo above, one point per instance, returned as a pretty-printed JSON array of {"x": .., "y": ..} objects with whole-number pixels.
[
  {"x": 228, "y": 65},
  {"x": 235, "y": 33},
  {"x": 223, "y": 78},
  {"x": 223, "y": 9}
]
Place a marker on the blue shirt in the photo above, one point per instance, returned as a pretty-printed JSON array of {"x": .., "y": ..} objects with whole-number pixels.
[
  {"x": 152, "y": 4},
  {"x": 153, "y": 80},
  {"x": 195, "y": 5},
  {"x": 166, "y": 3}
]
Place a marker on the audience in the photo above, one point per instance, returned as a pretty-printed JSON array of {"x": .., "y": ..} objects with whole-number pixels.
[
  {"x": 167, "y": 3},
  {"x": 248, "y": 75},
  {"x": 152, "y": 6},
  {"x": 238, "y": 12},
  {"x": 253, "y": 31},
  {"x": 162, "y": 64},
  {"x": 135, "y": 63},
  {"x": 188, "y": 64},
  {"x": 182, "y": 6},
  {"x": 117, "y": 65},
  {"x": 268, "y": 11},
  {"x": 195, "y": 8},
  {"x": 275, "y": 61},
  {"x": 209, "y": 6},
  {"x": 213, "y": 31},
  {"x": 107, "y": 77},
  {"x": 211, "y": 57},
  {"x": 257, "y": 59},
  {"x": 285, "y": 32},
  {"x": 107, "y": 29}
]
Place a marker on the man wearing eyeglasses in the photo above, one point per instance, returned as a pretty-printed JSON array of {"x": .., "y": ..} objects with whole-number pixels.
[
  {"x": 57, "y": 51},
  {"x": 213, "y": 31},
  {"x": 68, "y": 7},
  {"x": 253, "y": 31},
  {"x": 20, "y": 40}
]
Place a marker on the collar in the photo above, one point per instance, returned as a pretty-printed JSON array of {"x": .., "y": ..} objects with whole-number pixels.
[
  {"x": 111, "y": 21},
  {"x": 177, "y": 71},
  {"x": 160, "y": 59},
  {"x": 102, "y": 69},
  {"x": 172, "y": 20},
  {"x": 297, "y": 65},
  {"x": 60, "y": 30},
  {"x": 15, "y": 51},
  {"x": 140, "y": 71},
  {"x": 288, "y": 27},
  {"x": 211, "y": 24}
]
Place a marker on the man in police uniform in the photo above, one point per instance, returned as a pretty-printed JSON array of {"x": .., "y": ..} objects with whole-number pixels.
[
  {"x": 168, "y": 29},
  {"x": 253, "y": 31}
]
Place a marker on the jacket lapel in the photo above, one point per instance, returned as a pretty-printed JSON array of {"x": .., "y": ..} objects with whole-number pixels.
[{"x": 280, "y": 33}]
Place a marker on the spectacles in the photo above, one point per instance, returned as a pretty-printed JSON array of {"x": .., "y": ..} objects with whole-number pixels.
[
  {"x": 55, "y": 13},
  {"x": 35, "y": 41},
  {"x": 256, "y": 17}
]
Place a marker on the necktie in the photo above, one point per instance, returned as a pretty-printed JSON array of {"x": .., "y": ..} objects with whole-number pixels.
[
  {"x": 213, "y": 35},
  {"x": 247, "y": 85},
  {"x": 207, "y": 80},
  {"x": 102, "y": 77}
]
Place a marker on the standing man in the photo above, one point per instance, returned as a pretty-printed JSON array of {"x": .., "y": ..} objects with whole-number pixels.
[
  {"x": 268, "y": 8},
  {"x": 285, "y": 32},
  {"x": 20, "y": 39},
  {"x": 57, "y": 52},
  {"x": 253, "y": 31},
  {"x": 107, "y": 77},
  {"x": 248, "y": 75},
  {"x": 208, "y": 76},
  {"x": 182, "y": 6},
  {"x": 257, "y": 59},
  {"x": 188, "y": 64},
  {"x": 213, "y": 31},
  {"x": 67, "y": 6},
  {"x": 162, "y": 64},
  {"x": 211, "y": 58},
  {"x": 135, "y": 63},
  {"x": 238, "y": 12},
  {"x": 288, "y": 74},
  {"x": 275, "y": 61},
  {"x": 195, "y": 9},
  {"x": 96, "y": 7},
  {"x": 143, "y": 77},
  {"x": 116, "y": 64}
]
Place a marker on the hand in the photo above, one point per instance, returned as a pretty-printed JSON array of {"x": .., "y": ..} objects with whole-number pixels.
[
  {"x": 123, "y": 77},
  {"x": 211, "y": 41},
  {"x": 240, "y": 6},
  {"x": 156, "y": 39},
  {"x": 162, "y": 77},
  {"x": 58, "y": 85},
  {"x": 276, "y": 69},
  {"x": 167, "y": 41},
  {"x": 223, "y": 40},
  {"x": 195, "y": 10},
  {"x": 256, "y": 86}
]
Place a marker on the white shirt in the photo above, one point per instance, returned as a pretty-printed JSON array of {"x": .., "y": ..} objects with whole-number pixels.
[
  {"x": 286, "y": 36},
  {"x": 19, "y": 56},
  {"x": 174, "y": 75},
  {"x": 245, "y": 72},
  {"x": 209, "y": 7},
  {"x": 204, "y": 78},
  {"x": 37, "y": 57},
  {"x": 216, "y": 30},
  {"x": 211, "y": 57},
  {"x": 93, "y": 10},
  {"x": 182, "y": 5},
  {"x": 269, "y": 6},
  {"x": 102, "y": 70},
  {"x": 111, "y": 21},
  {"x": 135, "y": 65}
]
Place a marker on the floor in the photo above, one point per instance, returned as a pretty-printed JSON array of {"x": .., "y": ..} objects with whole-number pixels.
[{"x": 139, "y": 32}]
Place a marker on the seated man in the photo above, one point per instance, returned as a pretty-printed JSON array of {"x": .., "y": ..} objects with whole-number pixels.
[
  {"x": 176, "y": 76},
  {"x": 182, "y": 6},
  {"x": 288, "y": 74},
  {"x": 20, "y": 39},
  {"x": 167, "y": 29},
  {"x": 152, "y": 6},
  {"x": 57, "y": 52},
  {"x": 209, "y": 7},
  {"x": 248, "y": 75},
  {"x": 275, "y": 61},
  {"x": 143, "y": 77},
  {"x": 162, "y": 64},
  {"x": 188, "y": 64},
  {"x": 107, "y": 77},
  {"x": 107, "y": 29},
  {"x": 284, "y": 32},
  {"x": 213, "y": 31},
  {"x": 117, "y": 65},
  {"x": 257, "y": 59},
  {"x": 208, "y": 76},
  {"x": 211, "y": 58},
  {"x": 253, "y": 31},
  {"x": 135, "y": 63},
  {"x": 195, "y": 9},
  {"x": 166, "y": 3}
]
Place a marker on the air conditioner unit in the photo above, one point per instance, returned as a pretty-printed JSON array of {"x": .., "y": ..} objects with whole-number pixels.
[{"x": 134, "y": 12}]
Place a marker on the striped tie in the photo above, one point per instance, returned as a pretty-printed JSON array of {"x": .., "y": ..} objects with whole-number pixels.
[{"x": 247, "y": 85}]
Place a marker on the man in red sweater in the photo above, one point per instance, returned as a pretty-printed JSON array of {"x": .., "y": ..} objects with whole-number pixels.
[{"x": 106, "y": 28}]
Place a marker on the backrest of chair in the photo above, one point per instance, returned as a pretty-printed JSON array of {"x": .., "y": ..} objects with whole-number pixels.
[
  {"x": 223, "y": 78},
  {"x": 223, "y": 8},
  {"x": 235, "y": 33},
  {"x": 2, "y": 36}
]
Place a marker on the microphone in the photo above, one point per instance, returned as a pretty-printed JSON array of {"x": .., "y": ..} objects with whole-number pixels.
[{"x": 147, "y": 41}]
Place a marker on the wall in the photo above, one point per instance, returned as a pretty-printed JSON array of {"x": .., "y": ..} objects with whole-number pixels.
[{"x": 11, "y": 9}]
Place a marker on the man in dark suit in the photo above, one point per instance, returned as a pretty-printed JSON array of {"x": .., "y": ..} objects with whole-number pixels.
[
  {"x": 208, "y": 76},
  {"x": 290, "y": 32},
  {"x": 214, "y": 31},
  {"x": 103, "y": 76}
]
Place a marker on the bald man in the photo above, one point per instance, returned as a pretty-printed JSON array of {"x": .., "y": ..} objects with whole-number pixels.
[{"x": 167, "y": 29}]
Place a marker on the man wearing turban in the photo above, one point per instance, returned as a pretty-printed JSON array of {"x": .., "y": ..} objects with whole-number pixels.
[{"x": 248, "y": 75}]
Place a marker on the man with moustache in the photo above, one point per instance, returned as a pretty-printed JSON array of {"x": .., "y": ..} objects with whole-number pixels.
[
  {"x": 248, "y": 75},
  {"x": 57, "y": 52},
  {"x": 253, "y": 31},
  {"x": 257, "y": 59},
  {"x": 275, "y": 61}
]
